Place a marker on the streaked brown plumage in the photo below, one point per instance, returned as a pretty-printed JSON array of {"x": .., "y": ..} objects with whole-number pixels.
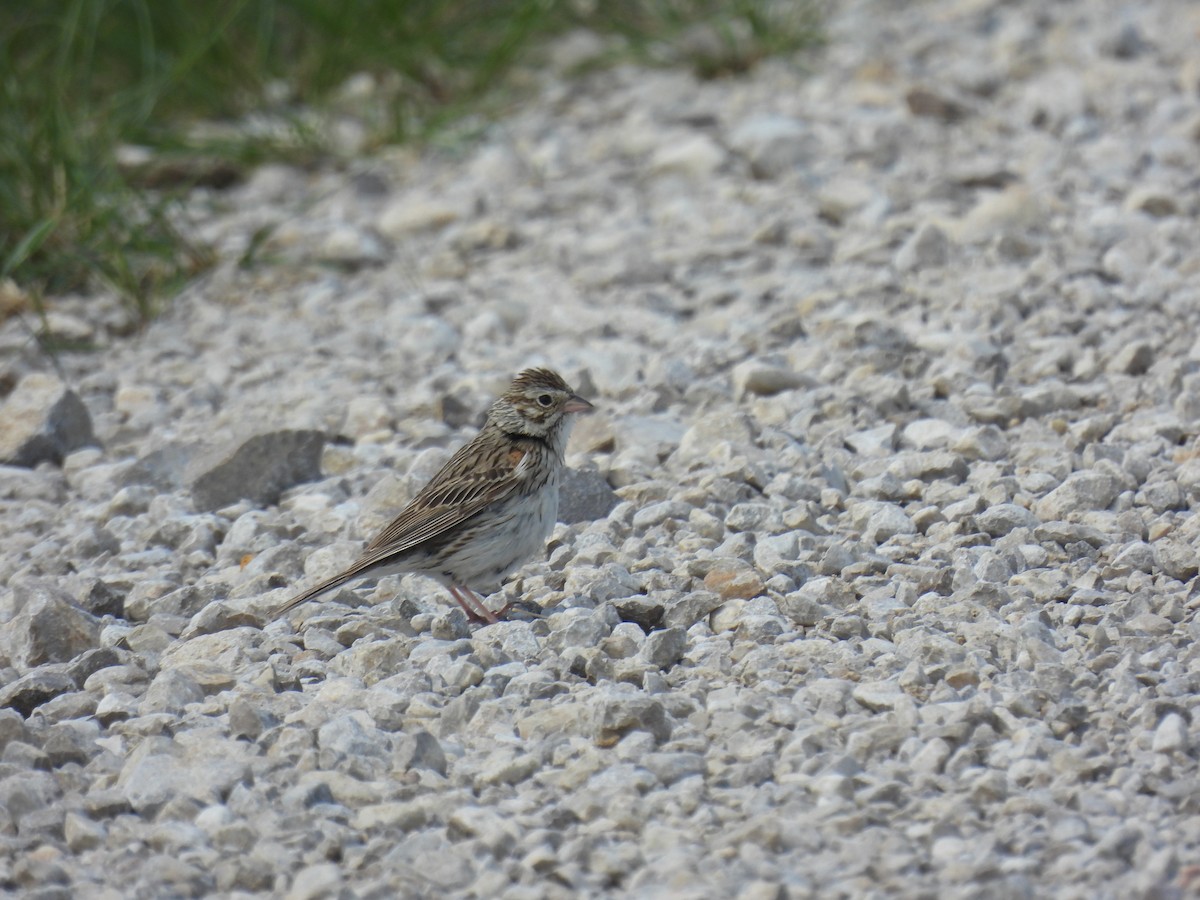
[{"x": 489, "y": 509}]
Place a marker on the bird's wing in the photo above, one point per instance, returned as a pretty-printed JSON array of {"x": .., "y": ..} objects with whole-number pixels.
[
  {"x": 478, "y": 475},
  {"x": 482, "y": 472}
]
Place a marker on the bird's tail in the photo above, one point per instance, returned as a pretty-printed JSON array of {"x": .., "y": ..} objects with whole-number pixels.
[{"x": 317, "y": 589}]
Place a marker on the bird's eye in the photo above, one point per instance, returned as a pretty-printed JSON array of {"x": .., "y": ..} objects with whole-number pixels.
[{"x": 545, "y": 400}]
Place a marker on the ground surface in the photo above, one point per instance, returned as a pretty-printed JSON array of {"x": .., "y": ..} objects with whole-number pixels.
[{"x": 898, "y": 384}]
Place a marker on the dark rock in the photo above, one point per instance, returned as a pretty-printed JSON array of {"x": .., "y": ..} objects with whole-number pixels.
[
  {"x": 584, "y": 496},
  {"x": 664, "y": 648},
  {"x": 248, "y": 721},
  {"x": 259, "y": 469},
  {"x": 30, "y": 691},
  {"x": 101, "y": 599},
  {"x": 929, "y": 104},
  {"x": 614, "y": 716},
  {"x": 48, "y": 627},
  {"x": 42, "y": 421},
  {"x": 12, "y": 727},
  {"x": 419, "y": 750},
  {"x": 641, "y": 610},
  {"x": 68, "y": 743}
]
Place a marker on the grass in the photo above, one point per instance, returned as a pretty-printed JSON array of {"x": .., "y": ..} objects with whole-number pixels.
[{"x": 82, "y": 79}]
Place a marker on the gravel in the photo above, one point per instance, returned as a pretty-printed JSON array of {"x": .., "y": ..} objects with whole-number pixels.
[{"x": 877, "y": 575}]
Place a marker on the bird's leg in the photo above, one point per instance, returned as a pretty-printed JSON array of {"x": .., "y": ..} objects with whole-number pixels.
[
  {"x": 477, "y": 612},
  {"x": 472, "y": 615},
  {"x": 477, "y": 602}
]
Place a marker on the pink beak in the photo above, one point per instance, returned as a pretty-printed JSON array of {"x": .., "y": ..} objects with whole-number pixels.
[{"x": 576, "y": 404}]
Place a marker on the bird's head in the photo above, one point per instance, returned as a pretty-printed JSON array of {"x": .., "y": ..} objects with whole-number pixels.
[{"x": 537, "y": 404}]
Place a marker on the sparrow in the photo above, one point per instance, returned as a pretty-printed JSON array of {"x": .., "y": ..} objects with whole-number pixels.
[{"x": 489, "y": 509}]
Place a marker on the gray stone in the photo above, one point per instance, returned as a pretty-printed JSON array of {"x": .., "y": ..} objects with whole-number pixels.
[
  {"x": 614, "y": 714},
  {"x": 247, "y": 720},
  {"x": 1081, "y": 491},
  {"x": 419, "y": 750},
  {"x": 773, "y": 145},
  {"x": 27, "y": 793},
  {"x": 34, "y": 689},
  {"x": 663, "y": 649},
  {"x": 880, "y": 441},
  {"x": 1176, "y": 558},
  {"x": 259, "y": 469},
  {"x": 42, "y": 420},
  {"x": 584, "y": 496},
  {"x": 689, "y": 608},
  {"x": 656, "y": 513},
  {"x": 1171, "y": 735},
  {"x": 927, "y": 248},
  {"x": 765, "y": 379},
  {"x": 1003, "y": 518},
  {"x": 314, "y": 881},
  {"x": 704, "y": 438},
  {"x": 48, "y": 628},
  {"x": 165, "y": 468},
  {"x": 170, "y": 691},
  {"x": 670, "y": 767}
]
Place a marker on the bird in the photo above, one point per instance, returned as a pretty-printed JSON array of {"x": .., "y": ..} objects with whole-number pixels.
[{"x": 489, "y": 509}]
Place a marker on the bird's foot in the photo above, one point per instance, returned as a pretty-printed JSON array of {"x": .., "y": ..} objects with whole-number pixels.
[
  {"x": 526, "y": 610},
  {"x": 476, "y": 610}
]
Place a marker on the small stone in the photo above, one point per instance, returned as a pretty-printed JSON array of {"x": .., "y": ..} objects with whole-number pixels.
[
  {"x": 315, "y": 881},
  {"x": 1156, "y": 202},
  {"x": 48, "y": 628},
  {"x": 703, "y": 439},
  {"x": 773, "y": 145},
  {"x": 842, "y": 197},
  {"x": 413, "y": 215},
  {"x": 164, "y": 468},
  {"x": 246, "y": 720},
  {"x": 734, "y": 580},
  {"x": 880, "y": 441},
  {"x": 405, "y": 815},
  {"x": 616, "y": 713},
  {"x": 671, "y": 767},
  {"x": 878, "y": 695},
  {"x": 997, "y": 213},
  {"x": 927, "y": 248},
  {"x": 1171, "y": 735},
  {"x": 930, "y": 434},
  {"x": 663, "y": 648},
  {"x": 1133, "y": 359},
  {"x": 365, "y": 415},
  {"x": 42, "y": 420},
  {"x": 1177, "y": 558},
  {"x": 930, "y": 104},
  {"x": 419, "y": 750},
  {"x": 259, "y": 469},
  {"x": 218, "y": 616},
  {"x": 170, "y": 691},
  {"x": 883, "y": 521},
  {"x": 82, "y": 833},
  {"x": 697, "y": 156},
  {"x": 34, "y": 689},
  {"x": 687, "y": 610},
  {"x": 1082, "y": 491},
  {"x": 584, "y": 495},
  {"x": 765, "y": 379},
  {"x": 351, "y": 247},
  {"x": 1003, "y": 518}
]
